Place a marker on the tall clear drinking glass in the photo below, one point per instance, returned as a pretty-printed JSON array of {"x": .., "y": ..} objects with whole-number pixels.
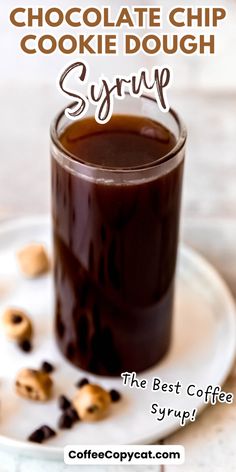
[{"x": 115, "y": 233}]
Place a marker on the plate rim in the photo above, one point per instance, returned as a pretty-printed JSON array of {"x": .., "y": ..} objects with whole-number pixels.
[{"x": 56, "y": 452}]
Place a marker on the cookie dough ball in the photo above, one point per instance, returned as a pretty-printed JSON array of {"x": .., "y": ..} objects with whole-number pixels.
[
  {"x": 17, "y": 324},
  {"x": 91, "y": 402},
  {"x": 34, "y": 385},
  {"x": 33, "y": 260}
]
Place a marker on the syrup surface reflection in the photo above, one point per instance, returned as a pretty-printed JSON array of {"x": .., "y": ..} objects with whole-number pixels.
[{"x": 115, "y": 248}]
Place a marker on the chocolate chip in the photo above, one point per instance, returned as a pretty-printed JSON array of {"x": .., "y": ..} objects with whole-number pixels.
[
  {"x": 115, "y": 396},
  {"x": 63, "y": 402},
  {"x": 48, "y": 432},
  {"x": 47, "y": 367},
  {"x": 68, "y": 418},
  {"x": 37, "y": 436},
  {"x": 81, "y": 383},
  {"x": 73, "y": 414},
  {"x": 65, "y": 421},
  {"x": 42, "y": 434},
  {"x": 25, "y": 345},
  {"x": 16, "y": 319}
]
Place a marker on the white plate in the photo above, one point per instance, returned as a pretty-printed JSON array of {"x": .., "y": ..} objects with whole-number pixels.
[{"x": 202, "y": 352}]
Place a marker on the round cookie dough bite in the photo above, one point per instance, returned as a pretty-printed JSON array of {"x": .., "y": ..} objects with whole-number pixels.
[
  {"x": 17, "y": 326},
  {"x": 34, "y": 385},
  {"x": 33, "y": 260},
  {"x": 91, "y": 402}
]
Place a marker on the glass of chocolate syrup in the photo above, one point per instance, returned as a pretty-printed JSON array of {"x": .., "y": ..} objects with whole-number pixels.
[{"x": 116, "y": 194}]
